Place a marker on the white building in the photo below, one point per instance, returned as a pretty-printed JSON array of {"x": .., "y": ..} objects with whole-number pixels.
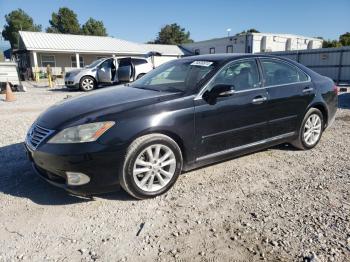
[
  {"x": 62, "y": 51},
  {"x": 254, "y": 43}
]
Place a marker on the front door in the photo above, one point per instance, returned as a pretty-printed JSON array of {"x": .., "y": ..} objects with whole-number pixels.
[
  {"x": 104, "y": 72},
  {"x": 236, "y": 121},
  {"x": 290, "y": 91}
]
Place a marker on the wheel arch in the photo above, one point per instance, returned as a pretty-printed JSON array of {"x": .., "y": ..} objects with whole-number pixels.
[
  {"x": 179, "y": 141},
  {"x": 94, "y": 78},
  {"x": 324, "y": 111}
]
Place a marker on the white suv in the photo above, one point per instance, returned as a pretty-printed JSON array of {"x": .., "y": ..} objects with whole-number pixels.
[{"x": 107, "y": 71}]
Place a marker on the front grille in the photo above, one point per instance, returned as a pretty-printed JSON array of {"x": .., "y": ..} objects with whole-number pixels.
[{"x": 36, "y": 135}]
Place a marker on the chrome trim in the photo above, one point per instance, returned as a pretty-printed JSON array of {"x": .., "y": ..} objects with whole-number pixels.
[
  {"x": 36, "y": 135},
  {"x": 200, "y": 93},
  {"x": 235, "y": 130},
  {"x": 231, "y": 150},
  {"x": 259, "y": 100}
]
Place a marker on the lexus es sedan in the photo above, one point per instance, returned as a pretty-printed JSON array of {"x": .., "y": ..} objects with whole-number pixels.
[{"x": 183, "y": 115}]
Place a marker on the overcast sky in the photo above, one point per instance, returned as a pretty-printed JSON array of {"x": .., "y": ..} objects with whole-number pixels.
[{"x": 140, "y": 21}]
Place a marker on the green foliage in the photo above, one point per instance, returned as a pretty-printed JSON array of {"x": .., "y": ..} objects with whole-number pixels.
[
  {"x": 344, "y": 39},
  {"x": 65, "y": 22},
  {"x": 172, "y": 34},
  {"x": 330, "y": 43},
  {"x": 93, "y": 27},
  {"x": 251, "y": 30},
  {"x": 18, "y": 20},
  {"x": 2, "y": 58}
]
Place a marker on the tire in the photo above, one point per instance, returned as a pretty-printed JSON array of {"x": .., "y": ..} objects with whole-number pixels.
[
  {"x": 147, "y": 184},
  {"x": 87, "y": 83},
  {"x": 308, "y": 140},
  {"x": 139, "y": 76}
]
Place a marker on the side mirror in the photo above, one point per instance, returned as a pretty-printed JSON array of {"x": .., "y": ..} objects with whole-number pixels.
[
  {"x": 220, "y": 90},
  {"x": 124, "y": 73}
]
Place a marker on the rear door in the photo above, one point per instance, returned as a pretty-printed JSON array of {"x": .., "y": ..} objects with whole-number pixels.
[
  {"x": 233, "y": 122},
  {"x": 290, "y": 91},
  {"x": 127, "y": 69}
]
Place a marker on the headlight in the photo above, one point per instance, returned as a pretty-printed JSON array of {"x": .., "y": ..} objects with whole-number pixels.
[{"x": 81, "y": 134}]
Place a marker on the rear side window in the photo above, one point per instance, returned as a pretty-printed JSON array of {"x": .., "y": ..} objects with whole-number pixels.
[
  {"x": 139, "y": 61},
  {"x": 280, "y": 73}
]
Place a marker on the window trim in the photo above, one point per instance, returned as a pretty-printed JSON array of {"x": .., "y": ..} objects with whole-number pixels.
[
  {"x": 204, "y": 88},
  {"x": 231, "y": 46},
  {"x": 211, "y": 48},
  {"x": 41, "y": 59},
  {"x": 71, "y": 61},
  {"x": 285, "y": 62}
]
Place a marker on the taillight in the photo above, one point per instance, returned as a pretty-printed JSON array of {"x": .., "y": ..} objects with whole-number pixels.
[{"x": 336, "y": 89}]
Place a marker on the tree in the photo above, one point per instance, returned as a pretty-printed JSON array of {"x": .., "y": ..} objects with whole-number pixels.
[
  {"x": 18, "y": 20},
  {"x": 331, "y": 43},
  {"x": 251, "y": 30},
  {"x": 172, "y": 34},
  {"x": 65, "y": 22},
  {"x": 344, "y": 39},
  {"x": 93, "y": 27}
]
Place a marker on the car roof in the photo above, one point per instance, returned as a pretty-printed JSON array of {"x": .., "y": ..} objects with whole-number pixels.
[{"x": 226, "y": 57}]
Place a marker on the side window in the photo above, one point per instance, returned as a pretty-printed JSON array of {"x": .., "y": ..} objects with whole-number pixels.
[
  {"x": 279, "y": 73},
  {"x": 241, "y": 75},
  {"x": 107, "y": 64},
  {"x": 139, "y": 61}
]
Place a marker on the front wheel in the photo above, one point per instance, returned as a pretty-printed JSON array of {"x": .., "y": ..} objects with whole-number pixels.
[
  {"x": 151, "y": 167},
  {"x": 311, "y": 130},
  {"x": 87, "y": 83}
]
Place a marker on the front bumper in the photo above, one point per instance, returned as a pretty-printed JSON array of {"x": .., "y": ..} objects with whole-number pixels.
[
  {"x": 101, "y": 163},
  {"x": 70, "y": 82}
]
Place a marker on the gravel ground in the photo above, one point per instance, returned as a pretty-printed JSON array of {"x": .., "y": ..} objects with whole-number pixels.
[{"x": 279, "y": 204}]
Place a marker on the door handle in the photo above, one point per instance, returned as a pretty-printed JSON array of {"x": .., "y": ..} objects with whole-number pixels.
[
  {"x": 259, "y": 99},
  {"x": 307, "y": 89}
]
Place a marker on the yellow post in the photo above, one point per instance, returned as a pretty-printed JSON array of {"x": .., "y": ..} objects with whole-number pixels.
[
  {"x": 49, "y": 75},
  {"x": 36, "y": 74}
]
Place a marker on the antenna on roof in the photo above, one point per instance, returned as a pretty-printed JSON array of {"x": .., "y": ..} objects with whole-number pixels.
[{"x": 228, "y": 30}]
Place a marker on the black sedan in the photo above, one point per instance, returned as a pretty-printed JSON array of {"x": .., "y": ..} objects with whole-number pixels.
[{"x": 183, "y": 115}]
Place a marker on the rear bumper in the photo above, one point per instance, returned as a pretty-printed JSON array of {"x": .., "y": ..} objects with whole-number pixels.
[{"x": 102, "y": 166}]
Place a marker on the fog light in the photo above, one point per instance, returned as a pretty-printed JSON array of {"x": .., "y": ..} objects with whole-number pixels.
[{"x": 77, "y": 179}]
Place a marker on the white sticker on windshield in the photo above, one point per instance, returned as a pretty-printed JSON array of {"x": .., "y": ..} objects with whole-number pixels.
[{"x": 202, "y": 63}]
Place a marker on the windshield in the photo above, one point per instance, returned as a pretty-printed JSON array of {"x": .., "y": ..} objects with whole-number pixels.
[
  {"x": 95, "y": 63},
  {"x": 175, "y": 76}
]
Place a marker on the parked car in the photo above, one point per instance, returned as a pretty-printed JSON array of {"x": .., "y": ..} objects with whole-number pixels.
[
  {"x": 104, "y": 71},
  {"x": 182, "y": 115},
  {"x": 9, "y": 73}
]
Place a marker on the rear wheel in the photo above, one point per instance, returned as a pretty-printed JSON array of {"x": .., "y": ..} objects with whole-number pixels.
[
  {"x": 311, "y": 130},
  {"x": 152, "y": 165},
  {"x": 87, "y": 83}
]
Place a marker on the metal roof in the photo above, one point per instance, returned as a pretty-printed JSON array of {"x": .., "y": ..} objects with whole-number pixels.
[
  {"x": 165, "y": 49},
  {"x": 40, "y": 41}
]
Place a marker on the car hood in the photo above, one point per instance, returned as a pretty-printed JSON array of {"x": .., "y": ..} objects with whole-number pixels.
[
  {"x": 76, "y": 71},
  {"x": 101, "y": 103}
]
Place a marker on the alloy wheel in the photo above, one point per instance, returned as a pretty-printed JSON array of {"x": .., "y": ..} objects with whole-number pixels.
[
  {"x": 312, "y": 129},
  {"x": 88, "y": 84},
  {"x": 154, "y": 168}
]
